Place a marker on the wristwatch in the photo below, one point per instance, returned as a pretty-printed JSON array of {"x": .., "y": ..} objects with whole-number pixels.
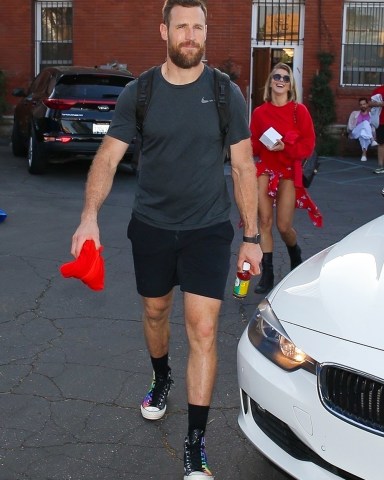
[{"x": 254, "y": 239}]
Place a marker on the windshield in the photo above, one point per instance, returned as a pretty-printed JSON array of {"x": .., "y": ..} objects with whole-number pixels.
[{"x": 90, "y": 86}]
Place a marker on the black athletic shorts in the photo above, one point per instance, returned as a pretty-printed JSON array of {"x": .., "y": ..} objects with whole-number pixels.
[
  {"x": 197, "y": 260},
  {"x": 380, "y": 134}
]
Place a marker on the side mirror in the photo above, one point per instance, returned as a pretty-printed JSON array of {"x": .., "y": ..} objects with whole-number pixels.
[{"x": 19, "y": 92}]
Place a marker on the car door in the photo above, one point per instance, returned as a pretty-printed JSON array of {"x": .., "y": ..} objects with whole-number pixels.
[{"x": 32, "y": 106}]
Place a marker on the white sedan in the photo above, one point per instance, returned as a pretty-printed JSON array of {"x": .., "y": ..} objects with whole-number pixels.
[{"x": 311, "y": 364}]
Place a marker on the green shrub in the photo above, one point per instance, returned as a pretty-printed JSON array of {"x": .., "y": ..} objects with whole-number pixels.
[
  {"x": 327, "y": 145},
  {"x": 230, "y": 68},
  {"x": 323, "y": 106}
]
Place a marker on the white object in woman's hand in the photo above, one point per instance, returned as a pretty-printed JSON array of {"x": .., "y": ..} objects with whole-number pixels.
[{"x": 277, "y": 147}]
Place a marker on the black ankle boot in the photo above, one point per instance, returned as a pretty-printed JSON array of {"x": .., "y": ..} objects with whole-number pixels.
[
  {"x": 267, "y": 277},
  {"x": 295, "y": 255}
]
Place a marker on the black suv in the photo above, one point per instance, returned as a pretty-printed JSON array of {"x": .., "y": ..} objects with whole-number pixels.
[{"x": 65, "y": 113}]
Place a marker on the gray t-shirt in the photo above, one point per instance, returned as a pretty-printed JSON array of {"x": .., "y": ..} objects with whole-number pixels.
[{"x": 181, "y": 183}]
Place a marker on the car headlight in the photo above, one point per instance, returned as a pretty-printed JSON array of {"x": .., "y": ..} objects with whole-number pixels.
[{"x": 266, "y": 333}]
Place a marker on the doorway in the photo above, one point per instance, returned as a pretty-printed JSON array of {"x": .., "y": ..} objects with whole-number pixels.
[{"x": 264, "y": 59}]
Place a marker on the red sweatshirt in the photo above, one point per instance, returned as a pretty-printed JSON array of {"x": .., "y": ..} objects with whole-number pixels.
[
  {"x": 294, "y": 123},
  {"x": 381, "y": 91},
  {"x": 298, "y": 136}
]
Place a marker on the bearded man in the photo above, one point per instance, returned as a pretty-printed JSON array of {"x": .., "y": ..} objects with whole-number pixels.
[
  {"x": 360, "y": 127},
  {"x": 180, "y": 229}
]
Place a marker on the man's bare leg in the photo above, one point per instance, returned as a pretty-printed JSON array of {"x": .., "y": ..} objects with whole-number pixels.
[
  {"x": 201, "y": 321},
  {"x": 156, "y": 324},
  {"x": 157, "y": 334}
]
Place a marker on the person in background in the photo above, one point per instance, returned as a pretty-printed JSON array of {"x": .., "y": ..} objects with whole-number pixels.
[
  {"x": 360, "y": 128},
  {"x": 379, "y": 104},
  {"x": 279, "y": 168},
  {"x": 180, "y": 229}
]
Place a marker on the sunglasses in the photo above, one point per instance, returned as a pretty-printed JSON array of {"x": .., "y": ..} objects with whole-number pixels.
[{"x": 278, "y": 78}]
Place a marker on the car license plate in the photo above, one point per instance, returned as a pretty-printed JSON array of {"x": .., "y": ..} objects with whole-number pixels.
[{"x": 100, "y": 128}]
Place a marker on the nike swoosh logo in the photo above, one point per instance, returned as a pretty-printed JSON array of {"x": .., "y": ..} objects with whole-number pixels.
[{"x": 203, "y": 100}]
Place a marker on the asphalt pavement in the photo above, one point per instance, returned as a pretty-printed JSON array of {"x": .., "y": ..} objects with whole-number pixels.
[{"x": 73, "y": 363}]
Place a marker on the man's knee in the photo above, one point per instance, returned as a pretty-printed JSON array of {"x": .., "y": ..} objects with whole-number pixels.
[
  {"x": 156, "y": 309},
  {"x": 204, "y": 330}
]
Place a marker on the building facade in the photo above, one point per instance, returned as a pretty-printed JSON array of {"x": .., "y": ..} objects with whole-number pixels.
[{"x": 245, "y": 38}]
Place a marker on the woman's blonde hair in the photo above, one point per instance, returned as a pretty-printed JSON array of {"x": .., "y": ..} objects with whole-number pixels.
[{"x": 292, "y": 94}]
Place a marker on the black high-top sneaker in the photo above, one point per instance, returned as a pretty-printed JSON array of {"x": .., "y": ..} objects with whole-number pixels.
[
  {"x": 195, "y": 458},
  {"x": 154, "y": 405}
]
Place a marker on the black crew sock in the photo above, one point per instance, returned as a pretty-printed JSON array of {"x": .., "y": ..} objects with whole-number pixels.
[
  {"x": 197, "y": 417},
  {"x": 160, "y": 366}
]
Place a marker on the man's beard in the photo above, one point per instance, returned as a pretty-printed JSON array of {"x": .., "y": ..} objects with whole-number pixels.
[{"x": 186, "y": 60}]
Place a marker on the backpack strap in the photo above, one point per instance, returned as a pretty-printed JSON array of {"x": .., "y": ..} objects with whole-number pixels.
[
  {"x": 143, "y": 97},
  {"x": 144, "y": 91},
  {"x": 222, "y": 92}
]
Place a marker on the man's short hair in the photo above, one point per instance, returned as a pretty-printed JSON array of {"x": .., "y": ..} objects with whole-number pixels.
[
  {"x": 169, "y": 4},
  {"x": 363, "y": 99}
]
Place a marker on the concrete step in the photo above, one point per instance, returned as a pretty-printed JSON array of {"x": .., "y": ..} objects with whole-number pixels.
[{"x": 6, "y": 123}]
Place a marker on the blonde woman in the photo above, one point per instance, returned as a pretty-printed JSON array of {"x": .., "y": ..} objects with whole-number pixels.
[{"x": 279, "y": 168}]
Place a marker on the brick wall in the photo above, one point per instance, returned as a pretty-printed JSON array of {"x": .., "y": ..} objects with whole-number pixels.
[
  {"x": 127, "y": 31},
  {"x": 323, "y": 32},
  {"x": 16, "y": 43},
  {"x": 229, "y": 36},
  {"x": 112, "y": 31}
]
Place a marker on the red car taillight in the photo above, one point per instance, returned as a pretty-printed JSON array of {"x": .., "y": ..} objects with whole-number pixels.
[
  {"x": 62, "y": 139},
  {"x": 59, "y": 104}
]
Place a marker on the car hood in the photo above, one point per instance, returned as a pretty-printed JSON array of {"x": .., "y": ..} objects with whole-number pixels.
[{"x": 339, "y": 291}]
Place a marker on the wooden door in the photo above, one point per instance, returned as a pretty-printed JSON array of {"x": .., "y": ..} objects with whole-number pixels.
[{"x": 261, "y": 69}]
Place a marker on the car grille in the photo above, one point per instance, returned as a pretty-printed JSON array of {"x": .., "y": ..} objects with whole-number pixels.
[
  {"x": 353, "y": 396},
  {"x": 282, "y": 435}
]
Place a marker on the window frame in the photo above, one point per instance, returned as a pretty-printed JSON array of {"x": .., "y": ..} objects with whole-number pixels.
[
  {"x": 360, "y": 69},
  {"x": 40, "y": 41},
  {"x": 281, "y": 9}
]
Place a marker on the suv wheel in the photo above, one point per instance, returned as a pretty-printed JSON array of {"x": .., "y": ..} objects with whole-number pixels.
[
  {"x": 19, "y": 148},
  {"x": 37, "y": 163}
]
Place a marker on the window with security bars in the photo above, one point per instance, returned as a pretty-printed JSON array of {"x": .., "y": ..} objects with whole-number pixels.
[
  {"x": 53, "y": 33},
  {"x": 363, "y": 44},
  {"x": 278, "y": 21}
]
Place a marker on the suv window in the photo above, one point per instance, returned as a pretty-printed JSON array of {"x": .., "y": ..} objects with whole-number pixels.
[
  {"x": 90, "y": 86},
  {"x": 40, "y": 85}
]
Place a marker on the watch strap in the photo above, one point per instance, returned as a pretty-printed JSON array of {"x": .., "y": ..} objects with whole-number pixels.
[{"x": 255, "y": 239}]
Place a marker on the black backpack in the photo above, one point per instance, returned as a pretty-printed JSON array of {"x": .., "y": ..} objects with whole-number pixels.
[{"x": 144, "y": 91}]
